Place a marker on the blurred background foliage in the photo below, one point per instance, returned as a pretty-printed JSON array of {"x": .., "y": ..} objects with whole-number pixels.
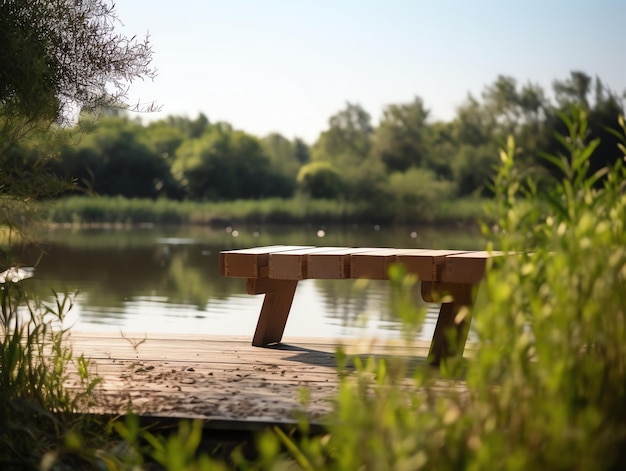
[{"x": 405, "y": 160}]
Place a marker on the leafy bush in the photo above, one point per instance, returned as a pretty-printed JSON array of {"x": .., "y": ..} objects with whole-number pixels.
[
  {"x": 546, "y": 386},
  {"x": 320, "y": 180},
  {"x": 416, "y": 193}
]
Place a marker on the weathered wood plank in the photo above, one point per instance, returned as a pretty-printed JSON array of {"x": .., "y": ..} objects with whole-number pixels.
[
  {"x": 468, "y": 267},
  {"x": 372, "y": 265},
  {"x": 427, "y": 265},
  {"x": 292, "y": 265},
  {"x": 249, "y": 263},
  {"x": 334, "y": 264},
  {"x": 218, "y": 377}
]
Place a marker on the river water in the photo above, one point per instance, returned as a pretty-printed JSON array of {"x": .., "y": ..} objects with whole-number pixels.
[{"x": 167, "y": 280}]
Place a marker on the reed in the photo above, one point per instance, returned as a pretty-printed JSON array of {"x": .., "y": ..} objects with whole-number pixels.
[
  {"x": 82, "y": 210},
  {"x": 36, "y": 407}
]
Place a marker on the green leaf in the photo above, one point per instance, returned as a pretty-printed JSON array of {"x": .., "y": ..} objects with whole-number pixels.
[
  {"x": 293, "y": 449},
  {"x": 556, "y": 204},
  {"x": 584, "y": 155},
  {"x": 556, "y": 161},
  {"x": 597, "y": 176}
]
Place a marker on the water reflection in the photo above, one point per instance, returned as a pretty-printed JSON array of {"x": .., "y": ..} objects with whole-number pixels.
[{"x": 167, "y": 280}]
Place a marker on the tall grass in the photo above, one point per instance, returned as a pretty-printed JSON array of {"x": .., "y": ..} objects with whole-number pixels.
[
  {"x": 36, "y": 407},
  {"x": 299, "y": 210}
]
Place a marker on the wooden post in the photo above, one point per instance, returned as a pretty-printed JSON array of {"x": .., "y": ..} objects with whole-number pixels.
[
  {"x": 275, "y": 310},
  {"x": 450, "y": 332}
]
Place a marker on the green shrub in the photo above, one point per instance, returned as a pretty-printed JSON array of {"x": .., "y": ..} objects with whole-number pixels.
[
  {"x": 320, "y": 180},
  {"x": 416, "y": 194},
  {"x": 546, "y": 386}
]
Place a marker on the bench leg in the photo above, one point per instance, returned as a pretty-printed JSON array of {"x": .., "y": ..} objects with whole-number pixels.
[
  {"x": 450, "y": 333},
  {"x": 275, "y": 310}
]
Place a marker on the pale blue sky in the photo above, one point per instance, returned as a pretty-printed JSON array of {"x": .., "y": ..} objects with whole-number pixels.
[{"x": 287, "y": 66}]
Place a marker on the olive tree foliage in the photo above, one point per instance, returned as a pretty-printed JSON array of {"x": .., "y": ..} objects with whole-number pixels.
[
  {"x": 58, "y": 58},
  {"x": 62, "y": 56}
]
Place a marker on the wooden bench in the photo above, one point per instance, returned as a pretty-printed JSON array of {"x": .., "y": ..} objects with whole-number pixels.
[{"x": 276, "y": 270}]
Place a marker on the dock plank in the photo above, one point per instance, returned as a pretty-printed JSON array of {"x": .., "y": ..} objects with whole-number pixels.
[{"x": 218, "y": 378}]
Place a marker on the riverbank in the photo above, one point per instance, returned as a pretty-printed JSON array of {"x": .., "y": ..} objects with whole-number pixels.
[{"x": 117, "y": 210}]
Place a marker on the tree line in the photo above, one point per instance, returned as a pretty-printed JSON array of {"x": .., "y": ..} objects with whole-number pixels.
[{"x": 405, "y": 159}]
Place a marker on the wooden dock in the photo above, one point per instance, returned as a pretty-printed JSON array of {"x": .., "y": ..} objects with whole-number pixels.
[{"x": 223, "y": 380}]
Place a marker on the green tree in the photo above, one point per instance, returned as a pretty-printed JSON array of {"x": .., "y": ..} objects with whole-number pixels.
[
  {"x": 282, "y": 154},
  {"x": 416, "y": 192},
  {"x": 402, "y": 137},
  {"x": 191, "y": 128},
  {"x": 348, "y": 140},
  {"x": 61, "y": 56},
  {"x": 473, "y": 167},
  {"x": 473, "y": 124},
  {"x": 57, "y": 58},
  {"x": 443, "y": 146},
  {"x": 532, "y": 103},
  {"x": 302, "y": 151},
  {"x": 320, "y": 180},
  {"x": 347, "y": 144},
  {"x": 501, "y": 101},
  {"x": 162, "y": 138},
  {"x": 224, "y": 164},
  {"x": 574, "y": 90},
  {"x": 113, "y": 160},
  {"x": 603, "y": 107}
]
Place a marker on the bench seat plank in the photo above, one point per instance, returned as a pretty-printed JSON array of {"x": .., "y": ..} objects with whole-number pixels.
[
  {"x": 293, "y": 264},
  {"x": 374, "y": 264},
  {"x": 446, "y": 276},
  {"x": 467, "y": 268},
  {"x": 250, "y": 263},
  {"x": 333, "y": 264},
  {"x": 427, "y": 265}
]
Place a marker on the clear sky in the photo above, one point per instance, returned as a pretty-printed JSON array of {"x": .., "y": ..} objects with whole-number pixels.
[{"x": 287, "y": 65}]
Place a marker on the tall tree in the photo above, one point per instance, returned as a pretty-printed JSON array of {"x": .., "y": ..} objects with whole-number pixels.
[
  {"x": 574, "y": 90},
  {"x": 282, "y": 154},
  {"x": 61, "y": 56},
  {"x": 347, "y": 141},
  {"x": 402, "y": 136},
  {"x": 224, "y": 164},
  {"x": 580, "y": 93},
  {"x": 302, "y": 151},
  {"x": 162, "y": 138},
  {"x": 190, "y": 127},
  {"x": 473, "y": 124},
  {"x": 57, "y": 57},
  {"x": 115, "y": 159},
  {"x": 501, "y": 99}
]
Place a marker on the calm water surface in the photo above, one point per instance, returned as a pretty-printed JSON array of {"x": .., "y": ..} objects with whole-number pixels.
[{"x": 167, "y": 280}]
